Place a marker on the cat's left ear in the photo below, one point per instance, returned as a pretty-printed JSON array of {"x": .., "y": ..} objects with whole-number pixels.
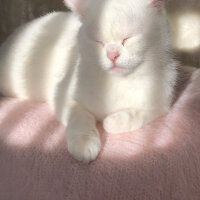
[
  {"x": 157, "y": 3},
  {"x": 77, "y": 6}
]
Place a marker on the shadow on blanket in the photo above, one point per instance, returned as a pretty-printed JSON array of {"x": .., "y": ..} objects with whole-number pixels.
[{"x": 159, "y": 162}]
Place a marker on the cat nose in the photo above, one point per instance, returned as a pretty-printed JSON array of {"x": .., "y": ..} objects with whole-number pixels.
[{"x": 113, "y": 55}]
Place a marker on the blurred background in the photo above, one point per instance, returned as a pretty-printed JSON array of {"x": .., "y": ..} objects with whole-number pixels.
[
  {"x": 16, "y": 12},
  {"x": 184, "y": 20}
]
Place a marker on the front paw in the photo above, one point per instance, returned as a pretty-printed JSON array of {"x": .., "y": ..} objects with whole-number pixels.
[
  {"x": 119, "y": 122},
  {"x": 84, "y": 147}
]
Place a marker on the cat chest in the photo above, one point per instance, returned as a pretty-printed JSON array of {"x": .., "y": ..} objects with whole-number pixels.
[{"x": 110, "y": 96}]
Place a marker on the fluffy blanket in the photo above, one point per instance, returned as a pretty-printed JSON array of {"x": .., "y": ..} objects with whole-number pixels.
[{"x": 159, "y": 162}]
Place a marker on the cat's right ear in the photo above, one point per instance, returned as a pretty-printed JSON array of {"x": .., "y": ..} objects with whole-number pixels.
[{"x": 77, "y": 6}]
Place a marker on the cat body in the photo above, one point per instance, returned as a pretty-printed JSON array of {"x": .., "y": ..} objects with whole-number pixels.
[
  {"x": 91, "y": 67},
  {"x": 42, "y": 45}
]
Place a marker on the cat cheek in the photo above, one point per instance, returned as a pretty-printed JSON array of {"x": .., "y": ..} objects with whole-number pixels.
[{"x": 100, "y": 43}]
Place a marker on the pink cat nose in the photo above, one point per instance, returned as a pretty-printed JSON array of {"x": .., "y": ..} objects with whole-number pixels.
[{"x": 113, "y": 55}]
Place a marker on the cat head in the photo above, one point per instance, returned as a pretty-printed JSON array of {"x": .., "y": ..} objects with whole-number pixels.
[{"x": 118, "y": 32}]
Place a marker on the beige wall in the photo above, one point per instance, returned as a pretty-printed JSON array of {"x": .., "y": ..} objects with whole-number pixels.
[{"x": 184, "y": 18}]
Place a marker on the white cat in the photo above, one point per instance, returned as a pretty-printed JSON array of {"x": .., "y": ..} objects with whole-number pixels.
[{"x": 113, "y": 65}]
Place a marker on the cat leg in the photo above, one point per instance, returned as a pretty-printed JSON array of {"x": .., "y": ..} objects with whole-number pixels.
[
  {"x": 83, "y": 138},
  {"x": 128, "y": 120}
]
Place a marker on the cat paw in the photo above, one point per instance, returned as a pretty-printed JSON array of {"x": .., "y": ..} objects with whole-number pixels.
[
  {"x": 84, "y": 148},
  {"x": 119, "y": 122}
]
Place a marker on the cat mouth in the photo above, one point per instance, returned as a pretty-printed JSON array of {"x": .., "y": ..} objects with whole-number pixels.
[{"x": 117, "y": 68}]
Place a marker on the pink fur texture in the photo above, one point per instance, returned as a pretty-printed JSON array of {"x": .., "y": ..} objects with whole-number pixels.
[{"x": 159, "y": 162}]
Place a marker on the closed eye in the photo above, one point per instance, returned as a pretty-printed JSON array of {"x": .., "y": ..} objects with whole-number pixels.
[
  {"x": 125, "y": 40},
  {"x": 100, "y": 42}
]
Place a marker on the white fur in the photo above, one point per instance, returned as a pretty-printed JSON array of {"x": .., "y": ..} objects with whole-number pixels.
[{"x": 44, "y": 60}]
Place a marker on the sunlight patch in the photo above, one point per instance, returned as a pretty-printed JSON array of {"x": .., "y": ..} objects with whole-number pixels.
[
  {"x": 55, "y": 139},
  {"x": 188, "y": 32}
]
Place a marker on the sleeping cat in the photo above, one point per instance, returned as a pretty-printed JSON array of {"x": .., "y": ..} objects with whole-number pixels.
[{"x": 107, "y": 61}]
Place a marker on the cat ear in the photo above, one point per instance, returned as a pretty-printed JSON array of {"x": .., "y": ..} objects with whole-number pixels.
[
  {"x": 157, "y": 3},
  {"x": 77, "y": 6}
]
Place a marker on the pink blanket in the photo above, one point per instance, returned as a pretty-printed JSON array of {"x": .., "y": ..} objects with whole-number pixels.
[{"x": 159, "y": 162}]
